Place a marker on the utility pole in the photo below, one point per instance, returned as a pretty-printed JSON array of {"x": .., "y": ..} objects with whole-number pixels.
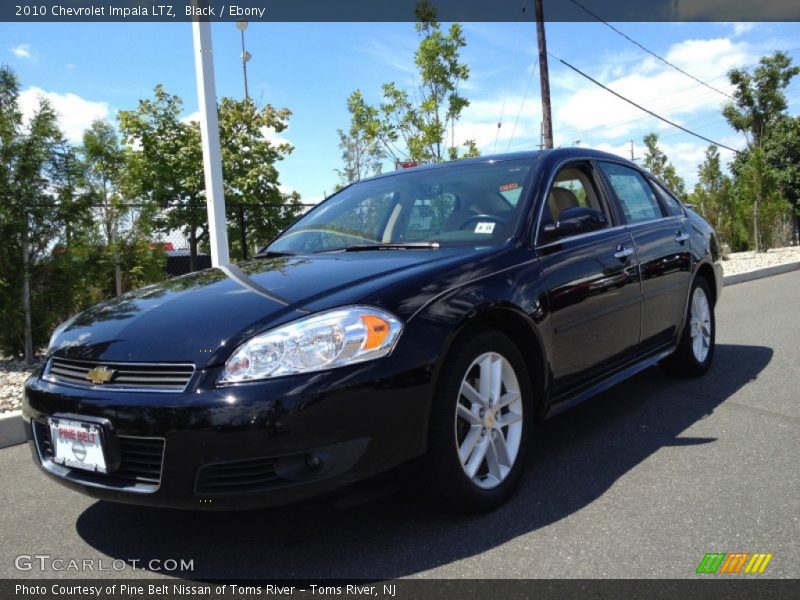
[
  {"x": 633, "y": 158},
  {"x": 246, "y": 56},
  {"x": 209, "y": 137},
  {"x": 544, "y": 77}
]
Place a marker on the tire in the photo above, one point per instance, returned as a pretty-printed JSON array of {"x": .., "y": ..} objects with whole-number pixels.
[
  {"x": 463, "y": 418},
  {"x": 695, "y": 351}
]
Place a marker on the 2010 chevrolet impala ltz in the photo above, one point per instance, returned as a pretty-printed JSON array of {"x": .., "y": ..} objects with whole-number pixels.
[{"x": 431, "y": 314}]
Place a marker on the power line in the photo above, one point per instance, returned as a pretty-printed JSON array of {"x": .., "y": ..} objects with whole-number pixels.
[
  {"x": 575, "y": 130},
  {"x": 664, "y": 60},
  {"x": 640, "y": 107},
  {"x": 521, "y": 105},
  {"x": 514, "y": 66}
]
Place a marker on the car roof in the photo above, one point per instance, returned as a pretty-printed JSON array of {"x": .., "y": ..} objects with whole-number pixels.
[{"x": 555, "y": 155}]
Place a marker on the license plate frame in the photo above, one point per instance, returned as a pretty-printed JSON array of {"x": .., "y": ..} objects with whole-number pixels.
[{"x": 78, "y": 444}]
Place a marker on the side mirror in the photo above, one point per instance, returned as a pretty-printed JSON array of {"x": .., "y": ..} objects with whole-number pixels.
[{"x": 578, "y": 219}]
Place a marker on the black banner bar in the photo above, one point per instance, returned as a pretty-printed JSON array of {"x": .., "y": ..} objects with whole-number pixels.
[
  {"x": 394, "y": 10},
  {"x": 727, "y": 588}
]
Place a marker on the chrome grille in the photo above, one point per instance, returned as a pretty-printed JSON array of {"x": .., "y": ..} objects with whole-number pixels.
[
  {"x": 239, "y": 476},
  {"x": 125, "y": 376},
  {"x": 141, "y": 459}
]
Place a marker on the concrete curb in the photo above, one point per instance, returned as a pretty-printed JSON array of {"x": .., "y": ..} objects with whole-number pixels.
[
  {"x": 760, "y": 273},
  {"x": 12, "y": 431}
]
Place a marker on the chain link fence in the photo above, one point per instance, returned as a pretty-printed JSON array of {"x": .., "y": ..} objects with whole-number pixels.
[{"x": 245, "y": 238}]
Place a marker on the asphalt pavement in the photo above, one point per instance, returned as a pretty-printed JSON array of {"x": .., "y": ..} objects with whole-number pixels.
[{"x": 640, "y": 481}]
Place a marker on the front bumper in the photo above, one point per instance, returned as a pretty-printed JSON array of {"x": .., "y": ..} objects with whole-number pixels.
[{"x": 245, "y": 446}]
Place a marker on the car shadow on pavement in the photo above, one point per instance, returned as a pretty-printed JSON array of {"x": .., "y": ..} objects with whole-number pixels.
[{"x": 577, "y": 456}]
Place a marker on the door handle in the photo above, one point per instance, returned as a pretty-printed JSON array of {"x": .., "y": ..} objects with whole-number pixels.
[
  {"x": 623, "y": 252},
  {"x": 681, "y": 237}
]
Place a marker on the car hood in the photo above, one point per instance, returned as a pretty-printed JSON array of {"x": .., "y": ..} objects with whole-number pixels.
[{"x": 203, "y": 316}]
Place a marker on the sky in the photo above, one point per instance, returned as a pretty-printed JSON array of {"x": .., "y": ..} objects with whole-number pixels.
[{"x": 92, "y": 70}]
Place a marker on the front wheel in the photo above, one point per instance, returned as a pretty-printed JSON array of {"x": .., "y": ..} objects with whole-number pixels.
[
  {"x": 696, "y": 348},
  {"x": 480, "y": 422}
]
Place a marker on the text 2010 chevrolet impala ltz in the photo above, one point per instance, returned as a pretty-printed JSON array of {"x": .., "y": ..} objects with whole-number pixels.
[{"x": 431, "y": 314}]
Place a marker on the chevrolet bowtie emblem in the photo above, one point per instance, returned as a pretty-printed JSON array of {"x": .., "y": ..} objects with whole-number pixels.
[{"x": 99, "y": 375}]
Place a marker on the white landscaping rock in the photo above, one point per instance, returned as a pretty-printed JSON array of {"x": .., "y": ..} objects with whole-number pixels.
[
  {"x": 743, "y": 262},
  {"x": 13, "y": 374}
]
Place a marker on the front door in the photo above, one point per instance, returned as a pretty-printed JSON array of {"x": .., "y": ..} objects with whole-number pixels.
[{"x": 593, "y": 285}]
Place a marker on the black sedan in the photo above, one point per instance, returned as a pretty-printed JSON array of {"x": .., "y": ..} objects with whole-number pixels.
[{"x": 431, "y": 314}]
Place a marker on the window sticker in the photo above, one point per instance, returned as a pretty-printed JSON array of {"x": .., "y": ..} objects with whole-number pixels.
[
  {"x": 487, "y": 228},
  {"x": 509, "y": 186}
]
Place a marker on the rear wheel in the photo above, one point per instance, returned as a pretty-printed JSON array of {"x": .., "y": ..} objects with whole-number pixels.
[
  {"x": 696, "y": 348},
  {"x": 480, "y": 423}
]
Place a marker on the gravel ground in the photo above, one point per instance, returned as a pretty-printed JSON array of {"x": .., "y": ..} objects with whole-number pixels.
[
  {"x": 13, "y": 372},
  {"x": 741, "y": 262}
]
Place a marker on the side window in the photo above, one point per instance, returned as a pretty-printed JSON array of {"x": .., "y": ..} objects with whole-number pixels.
[
  {"x": 636, "y": 197},
  {"x": 669, "y": 201},
  {"x": 572, "y": 187}
]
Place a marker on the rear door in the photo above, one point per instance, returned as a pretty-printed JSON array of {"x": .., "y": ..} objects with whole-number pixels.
[
  {"x": 592, "y": 281},
  {"x": 656, "y": 223}
]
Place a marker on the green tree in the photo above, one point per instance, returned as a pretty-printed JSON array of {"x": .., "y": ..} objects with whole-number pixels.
[
  {"x": 656, "y": 161},
  {"x": 714, "y": 198},
  {"x": 28, "y": 213},
  {"x": 104, "y": 160},
  {"x": 759, "y": 103},
  {"x": 361, "y": 152},
  {"x": 759, "y": 98},
  {"x": 254, "y": 202},
  {"x": 416, "y": 125},
  {"x": 164, "y": 166},
  {"x": 782, "y": 153}
]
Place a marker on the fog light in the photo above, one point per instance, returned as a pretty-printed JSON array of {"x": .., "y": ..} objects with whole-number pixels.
[{"x": 313, "y": 462}]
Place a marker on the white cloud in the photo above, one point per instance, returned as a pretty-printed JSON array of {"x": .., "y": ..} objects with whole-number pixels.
[
  {"x": 274, "y": 137},
  {"x": 742, "y": 28},
  {"x": 195, "y": 116},
  {"x": 585, "y": 107},
  {"x": 518, "y": 114},
  {"x": 22, "y": 51},
  {"x": 75, "y": 114},
  {"x": 394, "y": 52}
]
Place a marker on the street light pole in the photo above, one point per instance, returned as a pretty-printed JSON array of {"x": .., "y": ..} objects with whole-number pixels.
[{"x": 246, "y": 56}]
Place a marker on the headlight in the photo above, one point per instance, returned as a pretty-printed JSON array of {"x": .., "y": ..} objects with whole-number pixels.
[{"x": 327, "y": 340}]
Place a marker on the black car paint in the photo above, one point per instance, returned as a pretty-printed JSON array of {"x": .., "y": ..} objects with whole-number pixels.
[{"x": 574, "y": 309}]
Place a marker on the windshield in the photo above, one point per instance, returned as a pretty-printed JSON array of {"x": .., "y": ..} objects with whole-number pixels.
[{"x": 475, "y": 204}]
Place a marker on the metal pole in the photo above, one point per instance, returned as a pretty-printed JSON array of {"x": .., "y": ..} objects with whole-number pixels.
[
  {"x": 242, "y": 223},
  {"x": 544, "y": 76},
  {"x": 209, "y": 135},
  {"x": 244, "y": 68}
]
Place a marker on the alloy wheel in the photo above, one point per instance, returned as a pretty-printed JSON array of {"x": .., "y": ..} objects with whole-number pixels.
[
  {"x": 488, "y": 422},
  {"x": 700, "y": 325}
]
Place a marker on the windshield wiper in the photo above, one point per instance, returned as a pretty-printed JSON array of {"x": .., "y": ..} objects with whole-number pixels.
[
  {"x": 273, "y": 254},
  {"x": 387, "y": 246}
]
